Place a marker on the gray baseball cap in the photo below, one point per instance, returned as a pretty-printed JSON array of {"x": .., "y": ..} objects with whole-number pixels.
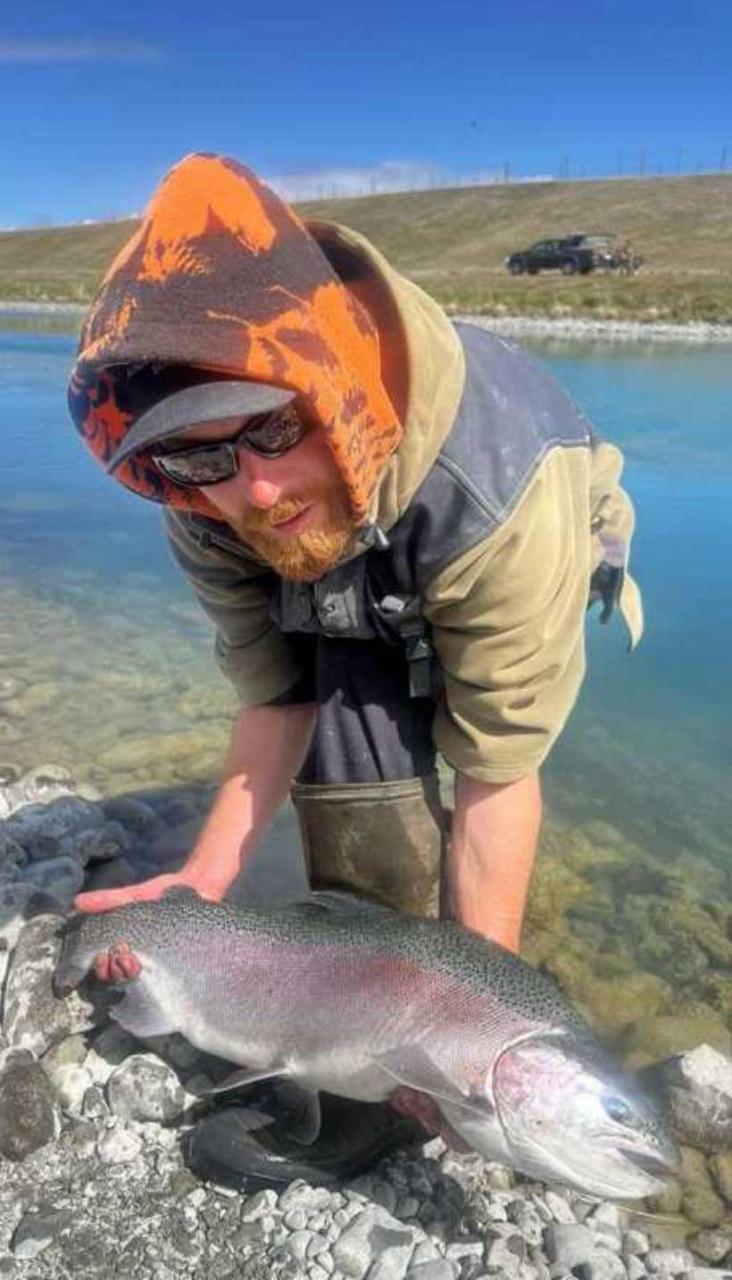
[{"x": 193, "y": 405}]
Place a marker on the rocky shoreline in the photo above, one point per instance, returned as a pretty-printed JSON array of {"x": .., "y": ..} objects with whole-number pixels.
[{"x": 94, "y": 1180}]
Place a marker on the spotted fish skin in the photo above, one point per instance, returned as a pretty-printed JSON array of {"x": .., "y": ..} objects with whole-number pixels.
[{"x": 317, "y": 990}]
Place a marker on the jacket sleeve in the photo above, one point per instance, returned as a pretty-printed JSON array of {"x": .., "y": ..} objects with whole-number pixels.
[
  {"x": 259, "y": 660},
  {"x": 508, "y": 628}
]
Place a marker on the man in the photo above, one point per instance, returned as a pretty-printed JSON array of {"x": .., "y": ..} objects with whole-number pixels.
[{"x": 395, "y": 523}]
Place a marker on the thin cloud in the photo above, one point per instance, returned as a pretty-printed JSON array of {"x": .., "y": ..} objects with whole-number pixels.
[
  {"x": 388, "y": 176},
  {"x": 76, "y": 51}
]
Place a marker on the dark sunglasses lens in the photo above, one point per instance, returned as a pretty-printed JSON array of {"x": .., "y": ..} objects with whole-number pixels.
[
  {"x": 198, "y": 466},
  {"x": 274, "y": 433}
]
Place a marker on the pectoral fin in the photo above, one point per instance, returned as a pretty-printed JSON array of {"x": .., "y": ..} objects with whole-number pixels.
[
  {"x": 139, "y": 1012},
  {"x": 411, "y": 1065}
]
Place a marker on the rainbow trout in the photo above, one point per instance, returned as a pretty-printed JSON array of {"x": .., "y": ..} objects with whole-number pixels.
[{"x": 364, "y": 1002}]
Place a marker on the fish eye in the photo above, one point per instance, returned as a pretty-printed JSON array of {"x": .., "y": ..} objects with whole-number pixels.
[{"x": 617, "y": 1109}]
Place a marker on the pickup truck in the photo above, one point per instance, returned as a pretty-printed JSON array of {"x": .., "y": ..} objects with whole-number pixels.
[{"x": 577, "y": 254}]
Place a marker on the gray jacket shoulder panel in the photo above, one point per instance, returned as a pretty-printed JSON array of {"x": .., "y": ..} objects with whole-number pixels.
[{"x": 511, "y": 415}]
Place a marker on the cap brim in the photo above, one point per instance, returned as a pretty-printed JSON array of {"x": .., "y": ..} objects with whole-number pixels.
[{"x": 203, "y": 402}]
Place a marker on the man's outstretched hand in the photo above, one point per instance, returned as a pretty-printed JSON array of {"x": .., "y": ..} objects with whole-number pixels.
[{"x": 146, "y": 891}]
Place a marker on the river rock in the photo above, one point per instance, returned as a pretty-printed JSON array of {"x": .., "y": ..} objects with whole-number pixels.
[
  {"x": 144, "y": 1088},
  {"x": 61, "y": 878},
  {"x": 135, "y": 815},
  {"x": 567, "y": 1244},
  {"x": 14, "y": 899},
  {"x": 59, "y": 816},
  {"x": 655, "y": 1039},
  {"x": 99, "y": 843},
  {"x": 703, "y": 1206},
  {"x": 33, "y": 1016},
  {"x": 698, "y": 1093},
  {"x": 720, "y": 1167},
  {"x": 37, "y": 1230},
  {"x": 374, "y": 1242},
  {"x": 28, "y": 1113},
  {"x": 711, "y": 1245}
]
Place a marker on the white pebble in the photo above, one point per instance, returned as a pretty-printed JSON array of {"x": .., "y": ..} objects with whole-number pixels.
[{"x": 118, "y": 1146}]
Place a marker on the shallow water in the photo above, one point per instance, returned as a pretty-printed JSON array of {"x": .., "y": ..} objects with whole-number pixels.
[{"x": 105, "y": 662}]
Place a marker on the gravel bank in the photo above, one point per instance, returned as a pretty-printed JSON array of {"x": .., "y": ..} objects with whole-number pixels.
[
  {"x": 93, "y": 1175},
  {"x": 614, "y": 330}
]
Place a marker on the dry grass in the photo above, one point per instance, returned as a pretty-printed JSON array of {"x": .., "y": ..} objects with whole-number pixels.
[{"x": 453, "y": 242}]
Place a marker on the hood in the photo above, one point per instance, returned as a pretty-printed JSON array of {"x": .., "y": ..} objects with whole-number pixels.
[{"x": 223, "y": 277}]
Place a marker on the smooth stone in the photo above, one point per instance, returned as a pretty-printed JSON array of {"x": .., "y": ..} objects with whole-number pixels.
[
  {"x": 118, "y": 1146},
  {"x": 70, "y": 1083},
  {"x": 135, "y": 815},
  {"x": 703, "y": 1206},
  {"x": 505, "y": 1254},
  {"x": 61, "y": 877},
  {"x": 72, "y": 1050},
  {"x": 559, "y": 1207},
  {"x": 12, "y": 853},
  {"x": 376, "y": 1243},
  {"x": 115, "y": 874},
  {"x": 144, "y": 1088},
  {"x": 711, "y": 1245},
  {"x": 14, "y": 899},
  {"x": 720, "y": 1167},
  {"x": 635, "y": 1242},
  {"x": 669, "y": 1262},
  {"x": 437, "y": 1269},
  {"x": 34, "y": 1018},
  {"x": 37, "y": 1230},
  {"x": 566, "y": 1244},
  {"x": 602, "y": 1266},
  {"x": 666, "y": 1036},
  {"x": 28, "y": 1112},
  {"x": 98, "y": 843},
  {"x": 60, "y": 816},
  {"x": 698, "y": 1095}
]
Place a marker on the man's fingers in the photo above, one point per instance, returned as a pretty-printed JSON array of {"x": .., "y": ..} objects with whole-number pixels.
[
  {"x": 148, "y": 891},
  {"x": 109, "y": 899}
]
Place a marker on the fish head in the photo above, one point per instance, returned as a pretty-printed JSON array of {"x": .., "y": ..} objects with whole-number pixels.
[{"x": 569, "y": 1114}]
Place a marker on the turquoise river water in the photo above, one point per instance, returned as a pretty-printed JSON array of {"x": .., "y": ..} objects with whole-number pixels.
[{"x": 106, "y": 661}]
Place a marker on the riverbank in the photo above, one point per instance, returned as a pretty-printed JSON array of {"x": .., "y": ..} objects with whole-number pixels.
[{"x": 695, "y": 331}]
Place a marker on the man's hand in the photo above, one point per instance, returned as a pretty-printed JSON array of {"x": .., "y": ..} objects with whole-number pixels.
[{"x": 146, "y": 891}]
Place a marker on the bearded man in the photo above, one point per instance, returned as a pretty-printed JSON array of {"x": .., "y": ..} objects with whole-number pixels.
[{"x": 396, "y": 524}]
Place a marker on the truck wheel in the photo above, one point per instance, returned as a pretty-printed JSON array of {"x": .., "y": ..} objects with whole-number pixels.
[
  {"x": 568, "y": 267},
  {"x": 533, "y": 271},
  {"x": 516, "y": 268}
]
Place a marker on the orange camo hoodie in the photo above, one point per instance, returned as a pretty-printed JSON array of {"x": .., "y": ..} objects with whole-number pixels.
[{"x": 222, "y": 276}]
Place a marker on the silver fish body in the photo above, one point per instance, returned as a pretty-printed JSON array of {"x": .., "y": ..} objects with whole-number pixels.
[{"x": 361, "y": 1002}]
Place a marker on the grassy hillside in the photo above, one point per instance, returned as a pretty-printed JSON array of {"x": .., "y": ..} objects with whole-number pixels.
[{"x": 453, "y": 242}]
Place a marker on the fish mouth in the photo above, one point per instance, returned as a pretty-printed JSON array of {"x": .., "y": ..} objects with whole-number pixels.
[{"x": 655, "y": 1166}]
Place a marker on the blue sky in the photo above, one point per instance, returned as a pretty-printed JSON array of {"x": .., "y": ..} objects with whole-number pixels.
[{"x": 97, "y": 102}]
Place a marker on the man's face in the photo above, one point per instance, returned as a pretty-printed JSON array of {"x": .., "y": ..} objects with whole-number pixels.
[{"x": 293, "y": 511}]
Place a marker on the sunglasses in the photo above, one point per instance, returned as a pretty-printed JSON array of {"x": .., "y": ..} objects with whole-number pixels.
[{"x": 269, "y": 435}]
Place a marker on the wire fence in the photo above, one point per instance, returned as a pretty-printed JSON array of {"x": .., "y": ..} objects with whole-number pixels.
[{"x": 390, "y": 178}]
